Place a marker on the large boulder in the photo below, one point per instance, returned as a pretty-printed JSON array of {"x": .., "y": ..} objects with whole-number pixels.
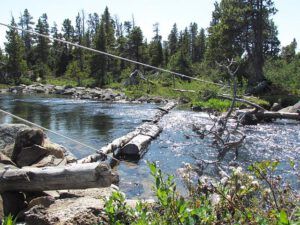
[
  {"x": 28, "y": 146},
  {"x": 8, "y": 134}
]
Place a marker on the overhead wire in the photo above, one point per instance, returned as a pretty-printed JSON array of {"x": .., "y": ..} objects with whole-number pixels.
[{"x": 112, "y": 55}]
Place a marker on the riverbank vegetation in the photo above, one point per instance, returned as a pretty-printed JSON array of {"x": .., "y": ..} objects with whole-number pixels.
[
  {"x": 256, "y": 196},
  {"x": 251, "y": 40}
]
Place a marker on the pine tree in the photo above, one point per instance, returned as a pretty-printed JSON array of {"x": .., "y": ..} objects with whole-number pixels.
[
  {"x": 42, "y": 47},
  {"x": 56, "y": 51},
  {"x": 135, "y": 44},
  {"x": 14, "y": 48},
  {"x": 200, "y": 46},
  {"x": 288, "y": 52},
  {"x": 26, "y": 23},
  {"x": 173, "y": 40},
  {"x": 193, "y": 41},
  {"x": 155, "y": 48},
  {"x": 99, "y": 62},
  {"x": 240, "y": 27}
]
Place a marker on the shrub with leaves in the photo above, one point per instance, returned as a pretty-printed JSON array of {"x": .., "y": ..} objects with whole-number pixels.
[{"x": 254, "y": 197}]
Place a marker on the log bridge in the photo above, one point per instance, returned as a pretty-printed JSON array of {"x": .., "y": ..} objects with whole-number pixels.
[{"x": 134, "y": 144}]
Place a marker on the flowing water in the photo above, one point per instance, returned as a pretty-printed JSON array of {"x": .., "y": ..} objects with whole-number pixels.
[{"x": 97, "y": 123}]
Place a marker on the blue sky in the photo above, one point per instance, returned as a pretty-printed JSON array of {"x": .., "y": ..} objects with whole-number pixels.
[{"x": 146, "y": 13}]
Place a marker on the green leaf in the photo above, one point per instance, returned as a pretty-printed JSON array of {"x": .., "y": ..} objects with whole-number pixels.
[{"x": 283, "y": 218}]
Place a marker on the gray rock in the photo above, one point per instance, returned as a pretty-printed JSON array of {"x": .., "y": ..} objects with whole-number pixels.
[
  {"x": 8, "y": 134},
  {"x": 28, "y": 145},
  {"x": 276, "y": 106}
]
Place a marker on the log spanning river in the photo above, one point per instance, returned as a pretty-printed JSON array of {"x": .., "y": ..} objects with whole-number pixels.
[{"x": 98, "y": 123}]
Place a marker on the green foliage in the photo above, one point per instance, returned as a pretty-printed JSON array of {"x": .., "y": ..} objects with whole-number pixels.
[
  {"x": 74, "y": 72},
  {"x": 9, "y": 220},
  {"x": 243, "y": 28},
  {"x": 16, "y": 65},
  {"x": 215, "y": 104},
  {"x": 243, "y": 199},
  {"x": 285, "y": 75}
]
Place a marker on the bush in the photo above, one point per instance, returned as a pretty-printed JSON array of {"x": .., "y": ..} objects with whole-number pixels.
[{"x": 254, "y": 197}]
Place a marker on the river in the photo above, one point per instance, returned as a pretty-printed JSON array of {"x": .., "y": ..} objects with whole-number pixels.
[{"x": 98, "y": 123}]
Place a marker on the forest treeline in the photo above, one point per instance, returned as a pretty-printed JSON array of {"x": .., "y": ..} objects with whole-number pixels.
[{"x": 240, "y": 29}]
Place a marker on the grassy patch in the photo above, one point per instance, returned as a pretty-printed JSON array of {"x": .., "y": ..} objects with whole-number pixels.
[{"x": 213, "y": 103}]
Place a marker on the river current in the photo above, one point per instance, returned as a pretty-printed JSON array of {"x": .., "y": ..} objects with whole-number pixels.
[{"x": 98, "y": 123}]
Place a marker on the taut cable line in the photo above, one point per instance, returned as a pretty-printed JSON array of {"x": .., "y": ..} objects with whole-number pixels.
[
  {"x": 56, "y": 133},
  {"x": 112, "y": 55}
]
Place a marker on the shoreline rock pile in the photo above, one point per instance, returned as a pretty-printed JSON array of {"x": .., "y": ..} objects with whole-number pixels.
[
  {"x": 22, "y": 147},
  {"x": 107, "y": 95}
]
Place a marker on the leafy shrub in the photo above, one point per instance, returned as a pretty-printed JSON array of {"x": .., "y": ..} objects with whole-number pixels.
[
  {"x": 9, "y": 220},
  {"x": 243, "y": 198}
]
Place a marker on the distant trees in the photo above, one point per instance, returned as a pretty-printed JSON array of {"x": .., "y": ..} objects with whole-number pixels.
[
  {"x": 238, "y": 27},
  {"x": 14, "y": 48},
  {"x": 243, "y": 27}
]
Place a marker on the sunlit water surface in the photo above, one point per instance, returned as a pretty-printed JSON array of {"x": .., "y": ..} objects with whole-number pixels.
[{"x": 97, "y": 123}]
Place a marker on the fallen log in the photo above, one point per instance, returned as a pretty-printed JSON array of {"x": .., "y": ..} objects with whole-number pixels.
[
  {"x": 137, "y": 146},
  {"x": 242, "y": 100},
  {"x": 182, "y": 90},
  {"x": 102, "y": 153},
  {"x": 278, "y": 115},
  {"x": 74, "y": 176},
  {"x": 253, "y": 117},
  {"x": 163, "y": 111},
  {"x": 140, "y": 137}
]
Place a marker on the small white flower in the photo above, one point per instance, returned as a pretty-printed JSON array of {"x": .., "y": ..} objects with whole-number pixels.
[{"x": 238, "y": 171}]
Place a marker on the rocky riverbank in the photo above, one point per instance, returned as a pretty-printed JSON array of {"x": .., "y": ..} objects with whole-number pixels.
[
  {"x": 22, "y": 147},
  {"x": 108, "y": 95}
]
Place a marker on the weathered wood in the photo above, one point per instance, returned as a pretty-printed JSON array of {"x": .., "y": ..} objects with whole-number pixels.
[
  {"x": 147, "y": 132},
  {"x": 75, "y": 176},
  {"x": 267, "y": 115},
  {"x": 182, "y": 90},
  {"x": 242, "y": 100},
  {"x": 164, "y": 110},
  {"x": 148, "y": 129},
  {"x": 136, "y": 147},
  {"x": 279, "y": 115}
]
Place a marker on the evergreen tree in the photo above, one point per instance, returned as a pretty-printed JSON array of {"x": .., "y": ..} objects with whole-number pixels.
[
  {"x": 155, "y": 48},
  {"x": 200, "y": 46},
  {"x": 79, "y": 38},
  {"x": 288, "y": 52},
  {"x": 68, "y": 35},
  {"x": 99, "y": 61},
  {"x": 193, "y": 41},
  {"x": 14, "y": 48},
  {"x": 42, "y": 47},
  {"x": 135, "y": 44},
  {"x": 173, "y": 40},
  {"x": 93, "y": 24},
  {"x": 26, "y": 23},
  {"x": 239, "y": 27},
  {"x": 181, "y": 61},
  {"x": 56, "y": 52}
]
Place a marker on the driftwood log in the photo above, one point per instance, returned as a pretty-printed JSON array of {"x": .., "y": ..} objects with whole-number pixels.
[
  {"x": 134, "y": 143},
  {"x": 137, "y": 146},
  {"x": 264, "y": 115},
  {"x": 242, "y": 100},
  {"x": 75, "y": 176}
]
